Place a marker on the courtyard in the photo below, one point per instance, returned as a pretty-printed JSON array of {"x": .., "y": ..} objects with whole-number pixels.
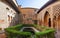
[
  {"x": 57, "y": 35},
  {"x": 36, "y": 19}
]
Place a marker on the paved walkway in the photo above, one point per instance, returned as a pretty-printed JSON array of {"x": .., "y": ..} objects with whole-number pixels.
[
  {"x": 2, "y": 36},
  {"x": 58, "y": 34}
]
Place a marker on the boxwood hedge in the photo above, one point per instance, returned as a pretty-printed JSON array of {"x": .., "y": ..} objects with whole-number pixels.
[{"x": 14, "y": 32}]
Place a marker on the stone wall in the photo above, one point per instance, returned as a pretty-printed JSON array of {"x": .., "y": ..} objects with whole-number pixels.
[
  {"x": 52, "y": 16},
  {"x": 6, "y": 12},
  {"x": 28, "y": 15}
]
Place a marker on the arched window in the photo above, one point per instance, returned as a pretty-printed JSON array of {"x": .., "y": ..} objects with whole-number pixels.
[
  {"x": 8, "y": 18},
  {"x": 47, "y": 19},
  {"x": 49, "y": 22}
]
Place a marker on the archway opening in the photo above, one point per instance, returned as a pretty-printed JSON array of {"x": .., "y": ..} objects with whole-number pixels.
[
  {"x": 58, "y": 22},
  {"x": 47, "y": 19},
  {"x": 54, "y": 23},
  {"x": 49, "y": 22}
]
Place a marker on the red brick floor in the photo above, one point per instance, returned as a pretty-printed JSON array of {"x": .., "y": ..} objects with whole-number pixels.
[{"x": 2, "y": 36}]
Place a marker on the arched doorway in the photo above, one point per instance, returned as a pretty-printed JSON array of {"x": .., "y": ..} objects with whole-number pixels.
[
  {"x": 54, "y": 23},
  {"x": 47, "y": 19},
  {"x": 49, "y": 22},
  {"x": 58, "y": 22}
]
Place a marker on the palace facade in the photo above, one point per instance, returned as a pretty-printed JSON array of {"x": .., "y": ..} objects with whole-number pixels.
[
  {"x": 28, "y": 15},
  {"x": 50, "y": 15},
  {"x": 8, "y": 13}
]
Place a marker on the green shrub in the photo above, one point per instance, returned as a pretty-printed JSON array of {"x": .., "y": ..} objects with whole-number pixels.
[
  {"x": 47, "y": 33},
  {"x": 14, "y": 32}
]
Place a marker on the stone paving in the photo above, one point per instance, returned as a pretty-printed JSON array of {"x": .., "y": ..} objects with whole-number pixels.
[
  {"x": 58, "y": 34},
  {"x": 2, "y": 35}
]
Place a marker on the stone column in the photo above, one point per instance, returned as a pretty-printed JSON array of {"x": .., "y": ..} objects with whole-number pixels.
[{"x": 57, "y": 23}]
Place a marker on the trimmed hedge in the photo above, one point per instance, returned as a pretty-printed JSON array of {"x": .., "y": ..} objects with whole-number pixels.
[
  {"x": 14, "y": 32},
  {"x": 48, "y": 33},
  {"x": 44, "y": 32}
]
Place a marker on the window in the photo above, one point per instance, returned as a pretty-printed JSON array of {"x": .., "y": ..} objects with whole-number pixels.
[
  {"x": 7, "y": 8},
  {"x": 11, "y": 17},
  {"x": 49, "y": 22},
  {"x": 8, "y": 18}
]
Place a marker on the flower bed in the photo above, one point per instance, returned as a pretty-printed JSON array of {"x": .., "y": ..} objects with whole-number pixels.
[{"x": 14, "y": 32}]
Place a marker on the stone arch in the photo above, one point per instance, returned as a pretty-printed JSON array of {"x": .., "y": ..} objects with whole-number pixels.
[
  {"x": 54, "y": 22},
  {"x": 47, "y": 19}
]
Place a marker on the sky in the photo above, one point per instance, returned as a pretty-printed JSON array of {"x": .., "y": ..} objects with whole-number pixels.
[{"x": 32, "y": 3}]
